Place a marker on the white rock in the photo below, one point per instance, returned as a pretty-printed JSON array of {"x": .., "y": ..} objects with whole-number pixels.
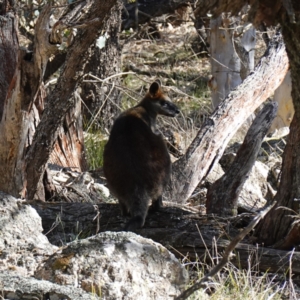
[{"x": 117, "y": 265}]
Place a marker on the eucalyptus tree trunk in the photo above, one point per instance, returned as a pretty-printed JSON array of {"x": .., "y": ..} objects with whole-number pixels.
[
  {"x": 102, "y": 99},
  {"x": 280, "y": 227},
  {"x": 22, "y": 96},
  {"x": 12, "y": 132},
  {"x": 232, "y": 43}
]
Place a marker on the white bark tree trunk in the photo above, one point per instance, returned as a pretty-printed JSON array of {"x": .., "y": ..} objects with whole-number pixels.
[
  {"x": 232, "y": 55},
  {"x": 284, "y": 99}
]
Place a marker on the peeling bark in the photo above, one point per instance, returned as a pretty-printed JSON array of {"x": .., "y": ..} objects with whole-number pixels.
[
  {"x": 69, "y": 148},
  {"x": 13, "y": 111}
]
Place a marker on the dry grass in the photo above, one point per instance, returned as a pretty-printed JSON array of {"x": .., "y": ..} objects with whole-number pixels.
[{"x": 241, "y": 284}]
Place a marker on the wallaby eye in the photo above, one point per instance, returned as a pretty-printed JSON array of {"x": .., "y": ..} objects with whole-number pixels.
[{"x": 163, "y": 103}]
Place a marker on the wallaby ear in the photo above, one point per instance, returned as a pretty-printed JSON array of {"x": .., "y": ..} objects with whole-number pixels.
[
  {"x": 158, "y": 81},
  {"x": 154, "y": 88}
]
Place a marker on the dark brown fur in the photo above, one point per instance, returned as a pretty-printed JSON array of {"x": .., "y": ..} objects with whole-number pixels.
[{"x": 137, "y": 164}]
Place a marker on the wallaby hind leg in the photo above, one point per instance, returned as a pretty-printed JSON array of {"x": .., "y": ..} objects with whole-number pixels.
[
  {"x": 124, "y": 209},
  {"x": 156, "y": 204},
  {"x": 138, "y": 211}
]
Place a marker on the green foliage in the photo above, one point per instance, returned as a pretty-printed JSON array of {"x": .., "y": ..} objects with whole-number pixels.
[{"x": 94, "y": 147}]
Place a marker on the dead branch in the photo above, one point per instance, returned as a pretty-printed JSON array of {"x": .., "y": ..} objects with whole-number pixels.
[{"x": 222, "y": 195}]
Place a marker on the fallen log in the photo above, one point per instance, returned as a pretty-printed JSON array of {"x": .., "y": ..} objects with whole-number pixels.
[{"x": 185, "y": 233}]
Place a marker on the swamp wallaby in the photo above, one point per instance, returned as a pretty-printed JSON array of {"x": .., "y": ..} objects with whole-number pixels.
[{"x": 137, "y": 164}]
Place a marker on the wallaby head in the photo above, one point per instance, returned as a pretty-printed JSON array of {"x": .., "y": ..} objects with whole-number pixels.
[{"x": 156, "y": 102}]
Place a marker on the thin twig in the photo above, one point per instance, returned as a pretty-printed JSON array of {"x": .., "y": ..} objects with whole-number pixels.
[
  {"x": 99, "y": 110},
  {"x": 109, "y": 77},
  {"x": 208, "y": 253},
  {"x": 290, "y": 273}
]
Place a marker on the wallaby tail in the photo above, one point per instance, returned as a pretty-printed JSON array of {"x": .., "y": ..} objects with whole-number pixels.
[{"x": 138, "y": 209}]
